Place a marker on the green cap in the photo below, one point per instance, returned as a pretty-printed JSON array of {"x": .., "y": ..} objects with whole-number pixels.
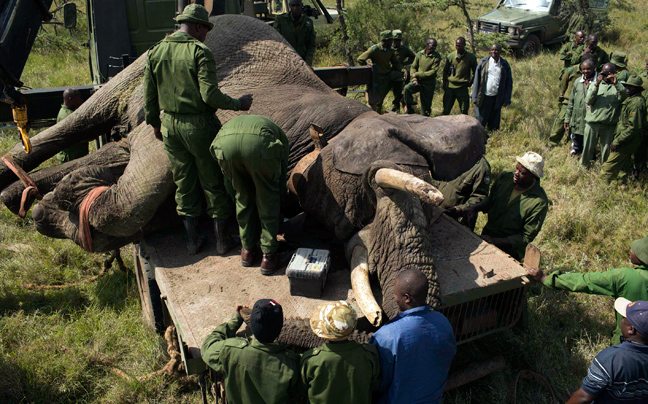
[
  {"x": 386, "y": 35},
  {"x": 196, "y": 14},
  {"x": 640, "y": 248},
  {"x": 634, "y": 81},
  {"x": 619, "y": 59},
  {"x": 397, "y": 34}
]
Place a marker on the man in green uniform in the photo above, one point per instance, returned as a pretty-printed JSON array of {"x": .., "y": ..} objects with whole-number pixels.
[
  {"x": 571, "y": 52},
  {"x": 603, "y": 98},
  {"x": 72, "y": 100},
  {"x": 423, "y": 75},
  {"x": 405, "y": 57},
  {"x": 252, "y": 152},
  {"x": 574, "y": 120},
  {"x": 255, "y": 371},
  {"x": 340, "y": 371},
  {"x": 180, "y": 79},
  {"x": 601, "y": 57},
  {"x": 298, "y": 30},
  {"x": 458, "y": 75},
  {"x": 465, "y": 191},
  {"x": 386, "y": 67},
  {"x": 630, "y": 283},
  {"x": 516, "y": 207},
  {"x": 620, "y": 60},
  {"x": 641, "y": 155},
  {"x": 629, "y": 130}
]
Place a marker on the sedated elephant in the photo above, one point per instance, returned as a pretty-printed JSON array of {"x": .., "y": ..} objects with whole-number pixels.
[{"x": 365, "y": 185}]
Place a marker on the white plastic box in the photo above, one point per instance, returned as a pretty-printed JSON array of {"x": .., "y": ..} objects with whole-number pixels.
[{"x": 307, "y": 272}]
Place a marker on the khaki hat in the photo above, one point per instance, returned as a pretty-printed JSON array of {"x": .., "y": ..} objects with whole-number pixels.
[
  {"x": 334, "y": 321},
  {"x": 533, "y": 162},
  {"x": 397, "y": 34},
  {"x": 640, "y": 248},
  {"x": 196, "y": 14},
  {"x": 634, "y": 81},
  {"x": 386, "y": 35},
  {"x": 619, "y": 59}
]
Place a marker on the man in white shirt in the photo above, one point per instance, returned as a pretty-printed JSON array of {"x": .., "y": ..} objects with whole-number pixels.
[{"x": 492, "y": 88}]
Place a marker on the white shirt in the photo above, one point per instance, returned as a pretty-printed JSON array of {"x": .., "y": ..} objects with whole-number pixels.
[{"x": 494, "y": 76}]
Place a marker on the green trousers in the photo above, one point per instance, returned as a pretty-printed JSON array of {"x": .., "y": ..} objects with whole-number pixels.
[
  {"x": 255, "y": 174},
  {"x": 558, "y": 127},
  {"x": 397, "y": 89},
  {"x": 427, "y": 93},
  {"x": 615, "y": 164},
  {"x": 595, "y": 133},
  {"x": 451, "y": 95},
  {"x": 385, "y": 83},
  {"x": 186, "y": 140}
]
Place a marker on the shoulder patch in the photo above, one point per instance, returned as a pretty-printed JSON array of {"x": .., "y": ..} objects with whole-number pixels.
[{"x": 239, "y": 343}]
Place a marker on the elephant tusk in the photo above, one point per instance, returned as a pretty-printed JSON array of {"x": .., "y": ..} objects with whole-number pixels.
[
  {"x": 390, "y": 178},
  {"x": 361, "y": 287}
]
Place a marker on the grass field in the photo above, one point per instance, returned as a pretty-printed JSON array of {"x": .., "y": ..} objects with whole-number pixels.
[{"x": 59, "y": 345}]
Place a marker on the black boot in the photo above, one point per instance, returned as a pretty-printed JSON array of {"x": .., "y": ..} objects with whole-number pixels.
[
  {"x": 224, "y": 242},
  {"x": 193, "y": 241},
  {"x": 409, "y": 110}
]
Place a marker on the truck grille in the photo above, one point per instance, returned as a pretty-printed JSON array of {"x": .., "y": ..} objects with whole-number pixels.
[
  {"x": 477, "y": 318},
  {"x": 492, "y": 27}
]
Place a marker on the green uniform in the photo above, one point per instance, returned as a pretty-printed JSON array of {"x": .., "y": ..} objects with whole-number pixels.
[
  {"x": 180, "y": 79},
  {"x": 468, "y": 189},
  {"x": 629, "y": 131},
  {"x": 519, "y": 220},
  {"x": 576, "y": 108},
  {"x": 253, "y": 372},
  {"x": 340, "y": 372},
  {"x": 601, "y": 57},
  {"x": 566, "y": 83},
  {"x": 424, "y": 69},
  {"x": 641, "y": 155},
  {"x": 631, "y": 283},
  {"x": 571, "y": 54},
  {"x": 458, "y": 75},
  {"x": 622, "y": 75},
  {"x": 601, "y": 118},
  {"x": 252, "y": 152},
  {"x": 387, "y": 69},
  {"x": 75, "y": 151},
  {"x": 299, "y": 33},
  {"x": 405, "y": 57}
]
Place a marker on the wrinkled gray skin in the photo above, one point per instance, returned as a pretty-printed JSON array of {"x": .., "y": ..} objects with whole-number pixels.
[{"x": 338, "y": 188}]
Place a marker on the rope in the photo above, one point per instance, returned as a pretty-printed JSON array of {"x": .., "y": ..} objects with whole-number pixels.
[
  {"x": 31, "y": 189},
  {"x": 534, "y": 377},
  {"x": 85, "y": 234}
]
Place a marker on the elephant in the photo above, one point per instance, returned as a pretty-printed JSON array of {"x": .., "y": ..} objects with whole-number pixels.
[{"x": 368, "y": 184}]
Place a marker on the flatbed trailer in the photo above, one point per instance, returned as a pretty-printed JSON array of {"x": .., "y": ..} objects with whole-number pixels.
[{"x": 483, "y": 289}]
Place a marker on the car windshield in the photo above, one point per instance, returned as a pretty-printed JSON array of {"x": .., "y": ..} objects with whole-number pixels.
[{"x": 533, "y": 5}]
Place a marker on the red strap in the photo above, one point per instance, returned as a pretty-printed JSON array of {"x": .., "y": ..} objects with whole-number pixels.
[
  {"x": 28, "y": 195},
  {"x": 31, "y": 190},
  {"x": 85, "y": 234}
]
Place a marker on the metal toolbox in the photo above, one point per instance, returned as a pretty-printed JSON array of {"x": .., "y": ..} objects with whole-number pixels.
[{"x": 307, "y": 272}]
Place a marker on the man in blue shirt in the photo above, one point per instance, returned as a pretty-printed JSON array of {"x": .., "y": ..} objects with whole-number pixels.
[
  {"x": 619, "y": 374},
  {"x": 416, "y": 347}
]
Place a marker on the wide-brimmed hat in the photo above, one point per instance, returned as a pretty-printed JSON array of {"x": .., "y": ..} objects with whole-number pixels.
[
  {"x": 635, "y": 312},
  {"x": 386, "y": 35},
  {"x": 619, "y": 59},
  {"x": 634, "y": 81},
  {"x": 196, "y": 14},
  {"x": 334, "y": 321},
  {"x": 533, "y": 162},
  {"x": 397, "y": 34},
  {"x": 640, "y": 248}
]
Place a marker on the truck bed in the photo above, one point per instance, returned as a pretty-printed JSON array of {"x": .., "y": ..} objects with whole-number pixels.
[{"x": 201, "y": 291}]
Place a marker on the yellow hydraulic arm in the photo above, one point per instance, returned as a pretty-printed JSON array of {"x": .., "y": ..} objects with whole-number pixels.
[{"x": 20, "y": 118}]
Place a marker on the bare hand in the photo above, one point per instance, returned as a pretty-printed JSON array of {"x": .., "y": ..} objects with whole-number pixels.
[
  {"x": 536, "y": 274},
  {"x": 599, "y": 78},
  {"x": 613, "y": 147},
  {"x": 237, "y": 308},
  {"x": 566, "y": 126},
  {"x": 454, "y": 211},
  {"x": 612, "y": 78},
  {"x": 415, "y": 82},
  {"x": 158, "y": 133},
  {"x": 246, "y": 102}
]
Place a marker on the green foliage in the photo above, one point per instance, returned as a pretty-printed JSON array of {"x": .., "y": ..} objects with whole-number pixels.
[
  {"x": 578, "y": 16},
  {"x": 53, "y": 38}
]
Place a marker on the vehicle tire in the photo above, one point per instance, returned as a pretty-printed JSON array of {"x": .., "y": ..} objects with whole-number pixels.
[
  {"x": 148, "y": 290},
  {"x": 530, "y": 46}
]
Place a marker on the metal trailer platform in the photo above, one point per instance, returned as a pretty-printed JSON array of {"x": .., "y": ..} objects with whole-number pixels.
[{"x": 483, "y": 289}]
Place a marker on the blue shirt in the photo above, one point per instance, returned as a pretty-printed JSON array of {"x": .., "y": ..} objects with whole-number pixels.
[
  {"x": 416, "y": 349},
  {"x": 619, "y": 374}
]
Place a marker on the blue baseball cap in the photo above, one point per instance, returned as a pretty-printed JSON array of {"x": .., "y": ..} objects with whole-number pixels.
[{"x": 635, "y": 312}]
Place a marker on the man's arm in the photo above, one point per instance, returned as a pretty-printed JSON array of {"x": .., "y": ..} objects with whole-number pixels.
[
  {"x": 409, "y": 57},
  {"x": 565, "y": 52},
  {"x": 570, "y": 106},
  {"x": 480, "y": 184},
  {"x": 211, "y": 347},
  {"x": 446, "y": 70},
  {"x": 387, "y": 363},
  {"x": 310, "y": 51},
  {"x": 362, "y": 59},
  {"x": 592, "y": 91},
  {"x": 636, "y": 117},
  {"x": 593, "y": 283},
  {"x": 414, "y": 67},
  {"x": 475, "y": 82},
  {"x": 580, "y": 397},
  {"x": 151, "y": 104},
  {"x": 396, "y": 64},
  {"x": 621, "y": 92},
  {"x": 473, "y": 66},
  {"x": 277, "y": 24},
  {"x": 208, "y": 83},
  {"x": 508, "y": 86}
]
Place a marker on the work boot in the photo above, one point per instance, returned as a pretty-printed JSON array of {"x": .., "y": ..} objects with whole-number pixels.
[
  {"x": 193, "y": 241},
  {"x": 224, "y": 241},
  {"x": 409, "y": 110},
  {"x": 248, "y": 256},
  {"x": 273, "y": 262}
]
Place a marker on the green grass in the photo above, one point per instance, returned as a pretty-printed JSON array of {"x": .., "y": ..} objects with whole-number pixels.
[{"x": 60, "y": 345}]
